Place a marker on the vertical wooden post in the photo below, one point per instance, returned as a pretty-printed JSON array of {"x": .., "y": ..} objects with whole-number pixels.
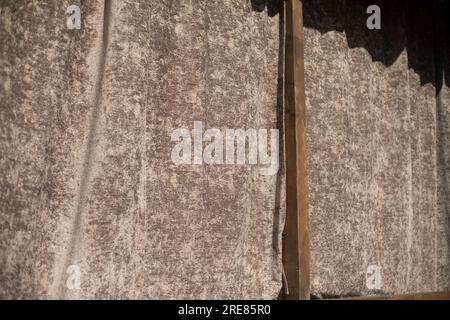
[{"x": 296, "y": 231}]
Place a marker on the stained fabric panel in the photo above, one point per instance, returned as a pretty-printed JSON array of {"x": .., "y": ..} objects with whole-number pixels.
[
  {"x": 87, "y": 177},
  {"x": 88, "y": 185},
  {"x": 377, "y": 148}
]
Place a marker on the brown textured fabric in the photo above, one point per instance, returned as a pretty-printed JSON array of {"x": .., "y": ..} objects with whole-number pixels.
[
  {"x": 86, "y": 175},
  {"x": 378, "y": 148}
]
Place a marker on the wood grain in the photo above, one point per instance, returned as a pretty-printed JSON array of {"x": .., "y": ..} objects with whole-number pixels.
[{"x": 296, "y": 254}]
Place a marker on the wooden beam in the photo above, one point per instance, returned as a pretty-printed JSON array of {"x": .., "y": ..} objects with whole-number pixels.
[{"x": 296, "y": 230}]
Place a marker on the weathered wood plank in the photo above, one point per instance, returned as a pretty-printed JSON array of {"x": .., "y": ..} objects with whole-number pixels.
[{"x": 296, "y": 235}]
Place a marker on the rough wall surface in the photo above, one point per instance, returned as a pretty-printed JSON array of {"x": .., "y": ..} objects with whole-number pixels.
[
  {"x": 86, "y": 175},
  {"x": 378, "y": 148},
  {"x": 87, "y": 180}
]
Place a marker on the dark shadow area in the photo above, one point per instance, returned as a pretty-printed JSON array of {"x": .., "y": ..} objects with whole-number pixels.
[
  {"x": 405, "y": 24},
  {"x": 446, "y": 36},
  {"x": 442, "y": 43},
  {"x": 273, "y": 6}
]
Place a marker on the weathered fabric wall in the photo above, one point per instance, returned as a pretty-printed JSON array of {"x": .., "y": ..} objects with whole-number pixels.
[
  {"x": 378, "y": 147},
  {"x": 86, "y": 175}
]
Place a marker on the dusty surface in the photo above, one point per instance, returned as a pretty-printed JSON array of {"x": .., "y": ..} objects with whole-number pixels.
[
  {"x": 378, "y": 149},
  {"x": 86, "y": 117},
  {"x": 86, "y": 175}
]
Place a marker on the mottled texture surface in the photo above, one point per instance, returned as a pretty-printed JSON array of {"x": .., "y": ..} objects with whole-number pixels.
[
  {"x": 378, "y": 148},
  {"x": 86, "y": 175}
]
